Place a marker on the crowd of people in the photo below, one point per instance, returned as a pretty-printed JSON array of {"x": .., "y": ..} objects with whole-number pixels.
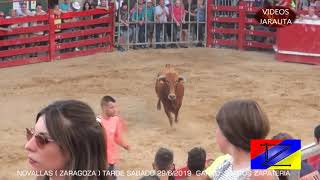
[
  {"x": 67, "y": 135},
  {"x": 172, "y": 23}
]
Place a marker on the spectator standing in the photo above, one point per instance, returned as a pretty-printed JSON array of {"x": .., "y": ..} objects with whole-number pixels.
[
  {"x": 114, "y": 128},
  {"x": 178, "y": 19},
  {"x": 161, "y": 14},
  {"x": 66, "y": 6},
  {"x": 148, "y": 11}
]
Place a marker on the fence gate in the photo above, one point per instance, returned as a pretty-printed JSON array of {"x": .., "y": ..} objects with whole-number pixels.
[{"x": 231, "y": 23}]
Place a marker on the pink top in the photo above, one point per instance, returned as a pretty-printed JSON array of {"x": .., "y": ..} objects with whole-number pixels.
[
  {"x": 113, "y": 127},
  {"x": 178, "y": 13}
]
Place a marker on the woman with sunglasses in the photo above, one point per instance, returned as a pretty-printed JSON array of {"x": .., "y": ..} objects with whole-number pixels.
[{"x": 67, "y": 138}]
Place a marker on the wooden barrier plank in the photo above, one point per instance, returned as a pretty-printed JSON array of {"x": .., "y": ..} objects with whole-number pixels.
[
  {"x": 105, "y": 20},
  {"x": 18, "y": 62},
  {"x": 25, "y": 30},
  {"x": 225, "y": 19},
  {"x": 80, "y": 53},
  {"x": 13, "y": 52},
  {"x": 223, "y": 8},
  {"x": 26, "y": 40},
  {"x": 251, "y": 21},
  {"x": 19, "y": 20},
  {"x": 251, "y": 9},
  {"x": 258, "y": 45},
  {"x": 81, "y": 43},
  {"x": 83, "y": 33},
  {"x": 86, "y": 13},
  {"x": 225, "y": 30},
  {"x": 260, "y": 33},
  {"x": 225, "y": 42}
]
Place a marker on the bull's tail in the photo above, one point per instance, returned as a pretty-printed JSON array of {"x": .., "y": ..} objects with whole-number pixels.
[{"x": 159, "y": 104}]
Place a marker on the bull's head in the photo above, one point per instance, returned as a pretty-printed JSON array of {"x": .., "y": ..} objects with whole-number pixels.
[{"x": 171, "y": 80}]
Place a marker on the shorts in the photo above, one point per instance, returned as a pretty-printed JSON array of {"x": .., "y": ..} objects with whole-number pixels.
[{"x": 185, "y": 26}]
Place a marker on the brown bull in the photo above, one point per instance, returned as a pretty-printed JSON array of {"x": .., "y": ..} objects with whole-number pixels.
[{"x": 170, "y": 90}]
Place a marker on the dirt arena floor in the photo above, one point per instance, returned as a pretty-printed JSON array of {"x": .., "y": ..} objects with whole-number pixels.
[{"x": 288, "y": 92}]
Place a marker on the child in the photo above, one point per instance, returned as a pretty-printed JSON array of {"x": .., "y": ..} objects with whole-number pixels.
[
  {"x": 113, "y": 126},
  {"x": 163, "y": 162}
]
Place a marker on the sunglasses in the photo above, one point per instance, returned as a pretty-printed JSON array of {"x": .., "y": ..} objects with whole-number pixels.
[{"x": 41, "y": 138}]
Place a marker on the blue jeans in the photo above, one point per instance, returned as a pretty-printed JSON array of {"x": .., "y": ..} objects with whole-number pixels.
[{"x": 160, "y": 28}]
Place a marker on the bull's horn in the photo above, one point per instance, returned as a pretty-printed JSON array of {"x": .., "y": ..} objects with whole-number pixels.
[
  {"x": 182, "y": 78},
  {"x": 161, "y": 77}
]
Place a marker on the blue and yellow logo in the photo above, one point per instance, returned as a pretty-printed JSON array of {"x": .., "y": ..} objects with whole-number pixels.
[{"x": 276, "y": 154}]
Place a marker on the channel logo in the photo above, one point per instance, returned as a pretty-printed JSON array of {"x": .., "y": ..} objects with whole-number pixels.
[{"x": 276, "y": 154}]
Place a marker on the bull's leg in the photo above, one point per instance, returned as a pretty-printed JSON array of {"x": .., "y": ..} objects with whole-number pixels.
[
  {"x": 176, "y": 116},
  {"x": 159, "y": 104},
  {"x": 169, "y": 116}
]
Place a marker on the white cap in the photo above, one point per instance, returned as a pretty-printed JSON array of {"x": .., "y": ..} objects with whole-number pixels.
[
  {"x": 76, "y": 5},
  {"x": 149, "y": 1}
]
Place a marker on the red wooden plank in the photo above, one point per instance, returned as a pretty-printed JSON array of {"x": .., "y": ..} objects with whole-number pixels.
[
  {"x": 85, "y": 13},
  {"x": 26, "y": 40},
  {"x": 80, "y": 53},
  {"x": 225, "y": 42},
  {"x": 225, "y": 19},
  {"x": 298, "y": 59},
  {"x": 11, "y": 63},
  {"x": 81, "y": 43},
  {"x": 260, "y": 33},
  {"x": 19, "y": 51},
  {"x": 24, "y": 19},
  {"x": 251, "y": 21},
  {"x": 25, "y": 30},
  {"x": 258, "y": 45},
  {"x": 105, "y": 20},
  {"x": 225, "y": 30},
  {"x": 83, "y": 33},
  {"x": 224, "y": 8},
  {"x": 252, "y": 9}
]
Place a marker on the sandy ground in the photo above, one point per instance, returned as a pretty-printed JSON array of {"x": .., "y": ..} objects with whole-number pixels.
[{"x": 289, "y": 93}]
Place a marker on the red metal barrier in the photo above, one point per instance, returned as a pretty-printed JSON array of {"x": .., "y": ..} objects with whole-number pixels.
[
  {"x": 240, "y": 29},
  {"x": 78, "y": 37}
]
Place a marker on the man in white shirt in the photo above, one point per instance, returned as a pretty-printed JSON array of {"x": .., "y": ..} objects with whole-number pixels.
[{"x": 161, "y": 17}]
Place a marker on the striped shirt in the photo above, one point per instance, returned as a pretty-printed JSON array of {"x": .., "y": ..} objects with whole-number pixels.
[{"x": 226, "y": 172}]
